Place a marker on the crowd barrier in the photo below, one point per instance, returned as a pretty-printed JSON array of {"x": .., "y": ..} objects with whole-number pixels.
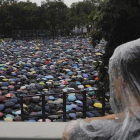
[{"x": 44, "y": 114}]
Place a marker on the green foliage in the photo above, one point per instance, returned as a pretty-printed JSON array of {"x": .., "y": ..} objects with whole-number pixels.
[
  {"x": 54, "y": 17},
  {"x": 117, "y": 21}
]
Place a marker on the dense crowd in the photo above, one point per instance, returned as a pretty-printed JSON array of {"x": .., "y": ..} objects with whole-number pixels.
[{"x": 50, "y": 67}]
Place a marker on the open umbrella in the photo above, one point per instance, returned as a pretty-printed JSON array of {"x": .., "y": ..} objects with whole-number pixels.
[
  {"x": 68, "y": 107},
  {"x": 98, "y": 105},
  {"x": 9, "y": 104},
  {"x": 18, "y": 112},
  {"x": 46, "y": 120},
  {"x": 8, "y": 119},
  {"x": 71, "y": 98},
  {"x": 9, "y": 115},
  {"x": 9, "y": 95},
  {"x": 8, "y": 110},
  {"x": 1, "y": 114},
  {"x": 1, "y": 107},
  {"x": 17, "y": 118}
]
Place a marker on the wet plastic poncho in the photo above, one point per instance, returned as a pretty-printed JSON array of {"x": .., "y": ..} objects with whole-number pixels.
[{"x": 124, "y": 74}]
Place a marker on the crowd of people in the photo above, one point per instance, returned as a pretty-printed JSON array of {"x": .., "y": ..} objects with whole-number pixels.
[{"x": 52, "y": 67}]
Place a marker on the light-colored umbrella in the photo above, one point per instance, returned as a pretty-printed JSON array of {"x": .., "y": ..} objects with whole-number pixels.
[
  {"x": 8, "y": 119},
  {"x": 98, "y": 105}
]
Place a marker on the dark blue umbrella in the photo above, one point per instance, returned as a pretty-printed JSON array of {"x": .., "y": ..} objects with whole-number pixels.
[
  {"x": 8, "y": 110},
  {"x": 9, "y": 103},
  {"x": 47, "y": 108},
  {"x": 4, "y": 84},
  {"x": 79, "y": 109},
  {"x": 72, "y": 115},
  {"x": 17, "y": 106},
  {"x": 89, "y": 114},
  {"x": 14, "y": 100},
  {"x": 1, "y": 107}
]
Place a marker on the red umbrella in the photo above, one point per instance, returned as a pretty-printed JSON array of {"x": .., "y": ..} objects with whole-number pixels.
[
  {"x": 10, "y": 95},
  {"x": 1, "y": 114},
  {"x": 2, "y": 98}
]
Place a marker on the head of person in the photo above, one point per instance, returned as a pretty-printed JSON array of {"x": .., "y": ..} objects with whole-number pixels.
[{"x": 124, "y": 75}]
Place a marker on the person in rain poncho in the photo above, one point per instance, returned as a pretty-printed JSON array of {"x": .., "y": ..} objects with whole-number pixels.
[{"x": 124, "y": 75}]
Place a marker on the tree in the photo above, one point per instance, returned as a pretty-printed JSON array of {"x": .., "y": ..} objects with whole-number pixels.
[
  {"x": 55, "y": 16},
  {"x": 117, "y": 21}
]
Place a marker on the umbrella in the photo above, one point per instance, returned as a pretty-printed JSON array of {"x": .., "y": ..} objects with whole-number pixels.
[
  {"x": 9, "y": 95},
  {"x": 9, "y": 104},
  {"x": 74, "y": 106},
  {"x": 9, "y": 115},
  {"x": 78, "y": 101},
  {"x": 4, "y": 84},
  {"x": 78, "y": 83},
  {"x": 56, "y": 102},
  {"x": 17, "y": 106},
  {"x": 31, "y": 120},
  {"x": 8, "y": 119},
  {"x": 71, "y": 98},
  {"x": 49, "y": 77},
  {"x": 47, "y": 108},
  {"x": 8, "y": 110},
  {"x": 5, "y": 80},
  {"x": 46, "y": 120},
  {"x": 51, "y": 98},
  {"x": 89, "y": 114},
  {"x": 79, "y": 109},
  {"x": 1, "y": 114},
  {"x": 79, "y": 97},
  {"x": 98, "y": 105},
  {"x": 60, "y": 100},
  {"x": 80, "y": 86},
  {"x": 38, "y": 108},
  {"x": 17, "y": 118},
  {"x": 51, "y": 105},
  {"x": 1, "y": 107},
  {"x": 85, "y": 75},
  {"x": 91, "y": 93},
  {"x": 42, "y": 83},
  {"x": 70, "y": 73},
  {"x": 79, "y": 114},
  {"x": 98, "y": 54},
  {"x": 68, "y": 107},
  {"x": 18, "y": 112},
  {"x": 53, "y": 117},
  {"x": 72, "y": 115}
]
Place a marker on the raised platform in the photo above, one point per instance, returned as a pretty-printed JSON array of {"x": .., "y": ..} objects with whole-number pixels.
[{"x": 31, "y": 130}]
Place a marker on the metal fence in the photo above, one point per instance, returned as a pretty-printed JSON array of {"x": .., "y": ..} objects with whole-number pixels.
[
  {"x": 44, "y": 114},
  {"x": 29, "y": 34}
]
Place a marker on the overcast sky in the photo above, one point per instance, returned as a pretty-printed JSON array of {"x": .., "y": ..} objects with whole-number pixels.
[{"x": 67, "y": 2}]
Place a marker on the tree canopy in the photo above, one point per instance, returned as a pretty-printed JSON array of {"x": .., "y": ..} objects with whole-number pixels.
[
  {"x": 54, "y": 17},
  {"x": 117, "y": 21}
]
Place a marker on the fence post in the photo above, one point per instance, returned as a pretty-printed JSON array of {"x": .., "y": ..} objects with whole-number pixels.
[
  {"x": 21, "y": 104},
  {"x": 64, "y": 106},
  {"x": 84, "y": 103},
  {"x": 103, "y": 104},
  {"x": 43, "y": 107}
]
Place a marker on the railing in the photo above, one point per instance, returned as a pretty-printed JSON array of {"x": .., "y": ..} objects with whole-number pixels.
[{"x": 44, "y": 115}]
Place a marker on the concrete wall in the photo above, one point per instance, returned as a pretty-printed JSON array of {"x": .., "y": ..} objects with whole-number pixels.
[{"x": 31, "y": 130}]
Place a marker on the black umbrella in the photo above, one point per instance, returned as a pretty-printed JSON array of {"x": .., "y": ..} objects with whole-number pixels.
[
  {"x": 8, "y": 110},
  {"x": 9, "y": 104},
  {"x": 38, "y": 108},
  {"x": 51, "y": 105}
]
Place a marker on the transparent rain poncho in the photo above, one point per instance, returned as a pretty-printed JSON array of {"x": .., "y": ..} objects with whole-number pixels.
[{"x": 124, "y": 75}]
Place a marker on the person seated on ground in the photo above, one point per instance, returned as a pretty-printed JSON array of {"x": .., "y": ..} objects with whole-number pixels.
[{"x": 124, "y": 124}]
